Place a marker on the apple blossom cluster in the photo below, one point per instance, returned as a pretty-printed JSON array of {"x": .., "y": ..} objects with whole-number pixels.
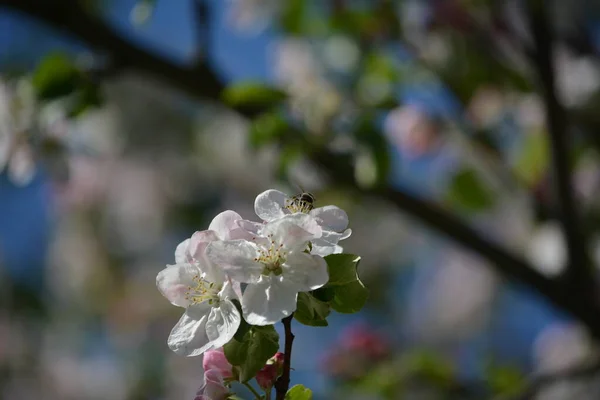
[
  {"x": 238, "y": 278},
  {"x": 275, "y": 260}
]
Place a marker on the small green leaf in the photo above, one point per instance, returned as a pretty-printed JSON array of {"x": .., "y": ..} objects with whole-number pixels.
[
  {"x": 252, "y": 94},
  {"x": 341, "y": 268},
  {"x": 350, "y": 298},
  {"x": 534, "y": 157},
  {"x": 250, "y": 354},
  {"x": 299, "y": 392},
  {"x": 430, "y": 366},
  {"x": 349, "y": 293},
  {"x": 56, "y": 76},
  {"x": 468, "y": 192},
  {"x": 311, "y": 311},
  {"x": 292, "y": 19},
  {"x": 266, "y": 128}
]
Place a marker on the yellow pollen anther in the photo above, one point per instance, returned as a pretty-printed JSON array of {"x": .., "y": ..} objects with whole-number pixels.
[{"x": 203, "y": 291}]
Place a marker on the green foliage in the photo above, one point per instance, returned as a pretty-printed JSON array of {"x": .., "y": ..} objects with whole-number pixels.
[
  {"x": 468, "y": 193},
  {"x": 374, "y": 146},
  {"x": 505, "y": 381},
  {"x": 251, "y": 353},
  {"x": 430, "y": 366},
  {"x": 266, "y": 128},
  {"x": 292, "y": 19},
  {"x": 311, "y": 311},
  {"x": 299, "y": 392},
  {"x": 56, "y": 76},
  {"x": 534, "y": 158},
  {"x": 345, "y": 291},
  {"x": 251, "y": 94},
  {"x": 86, "y": 97}
]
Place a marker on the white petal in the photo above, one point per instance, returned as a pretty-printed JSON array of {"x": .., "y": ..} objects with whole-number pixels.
[
  {"x": 268, "y": 301},
  {"x": 236, "y": 258},
  {"x": 250, "y": 226},
  {"x": 223, "y": 323},
  {"x": 21, "y": 167},
  {"x": 182, "y": 252},
  {"x": 331, "y": 218},
  {"x": 293, "y": 231},
  {"x": 270, "y": 205},
  {"x": 324, "y": 249},
  {"x": 199, "y": 241},
  {"x": 305, "y": 271},
  {"x": 174, "y": 281},
  {"x": 224, "y": 223},
  {"x": 231, "y": 290},
  {"x": 188, "y": 337}
]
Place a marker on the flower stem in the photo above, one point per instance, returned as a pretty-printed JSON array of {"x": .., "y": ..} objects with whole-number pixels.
[
  {"x": 254, "y": 392},
  {"x": 283, "y": 383}
]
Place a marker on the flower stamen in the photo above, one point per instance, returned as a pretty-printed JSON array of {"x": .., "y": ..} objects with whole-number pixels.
[{"x": 203, "y": 291}]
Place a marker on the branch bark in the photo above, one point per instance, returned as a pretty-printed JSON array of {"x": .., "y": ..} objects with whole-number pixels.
[
  {"x": 579, "y": 274},
  {"x": 201, "y": 81},
  {"x": 283, "y": 383}
]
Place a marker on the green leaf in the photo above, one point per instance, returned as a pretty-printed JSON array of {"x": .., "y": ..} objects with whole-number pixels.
[
  {"x": 56, "y": 76},
  {"x": 534, "y": 157},
  {"x": 350, "y": 298},
  {"x": 349, "y": 293},
  {"x": 250, "y": 354},
  {"x": 341, "y": 268},
  {"x": 299, "y": 392},
  {"x": 87, "y": 97},
  {"x": 266, "y": 128},
  {"x": 252, "y": 94},
  {"x": 468, "y": 192},
  {"x": 311, "y": 311}
]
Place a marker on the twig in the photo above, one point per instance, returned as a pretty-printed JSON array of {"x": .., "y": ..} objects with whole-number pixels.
[
  {"x": 68, "y": 16},
  {"x": 283, "y": 383},
  {"x": 578, "y": 275}
]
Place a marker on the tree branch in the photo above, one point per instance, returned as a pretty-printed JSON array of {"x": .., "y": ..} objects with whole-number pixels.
[
  {"x": 578, "y": 275},
  {"x": 283, "y": 383},
  {"x": 201, "y": 81}
]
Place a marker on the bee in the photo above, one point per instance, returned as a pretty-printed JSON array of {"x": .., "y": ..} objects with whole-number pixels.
[{"x": 303, "y": 202}]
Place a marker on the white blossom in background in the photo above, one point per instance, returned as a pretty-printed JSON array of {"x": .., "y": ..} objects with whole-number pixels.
[
  {"x": 547, "y": 249},
  {"x": 273, "y": 204},
  {"x": 17, "y": 105},
  {"x": 202, "y": 288},
  {"x": 274, "y": 265}
]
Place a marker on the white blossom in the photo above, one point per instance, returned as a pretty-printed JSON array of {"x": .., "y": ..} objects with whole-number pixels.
[
  {"x": 274, "y": 265},
  {"x": 202, "y": 288},
  {"x": 17, "y": 104},
  {"x": 273, "y": 204}
]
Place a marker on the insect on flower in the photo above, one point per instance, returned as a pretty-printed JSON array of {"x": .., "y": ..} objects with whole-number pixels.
[{"x": 303, "y": 202}]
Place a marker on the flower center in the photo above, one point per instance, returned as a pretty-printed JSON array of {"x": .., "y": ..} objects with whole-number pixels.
[
  {"x": 298, "y": 205},
  {"x": 271, "y": 257},
  {"x": 203, "y": 291}
]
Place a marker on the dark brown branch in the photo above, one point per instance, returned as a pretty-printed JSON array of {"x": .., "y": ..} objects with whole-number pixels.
[
  {"x": 202, "y": 82},
  {"x": 578, "y": 275},
  {"x": 283, "y": 383}
]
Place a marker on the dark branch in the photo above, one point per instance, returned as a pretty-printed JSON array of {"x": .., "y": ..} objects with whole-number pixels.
[
  {"x": 283, "y": 383},
  {"x": 201, "y": 81},
  {"x": 578, "y": 275}
]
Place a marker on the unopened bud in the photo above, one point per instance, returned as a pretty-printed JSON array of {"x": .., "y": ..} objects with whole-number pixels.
[{"x": 267, "y": 376}]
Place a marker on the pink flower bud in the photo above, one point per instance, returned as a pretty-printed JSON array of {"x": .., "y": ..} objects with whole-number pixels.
[
  {"x": 267, "y": 376},
  {"x": 216, "y": 360}
]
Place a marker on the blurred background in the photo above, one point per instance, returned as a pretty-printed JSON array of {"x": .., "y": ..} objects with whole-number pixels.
[{"x": 127, "y": 125}]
